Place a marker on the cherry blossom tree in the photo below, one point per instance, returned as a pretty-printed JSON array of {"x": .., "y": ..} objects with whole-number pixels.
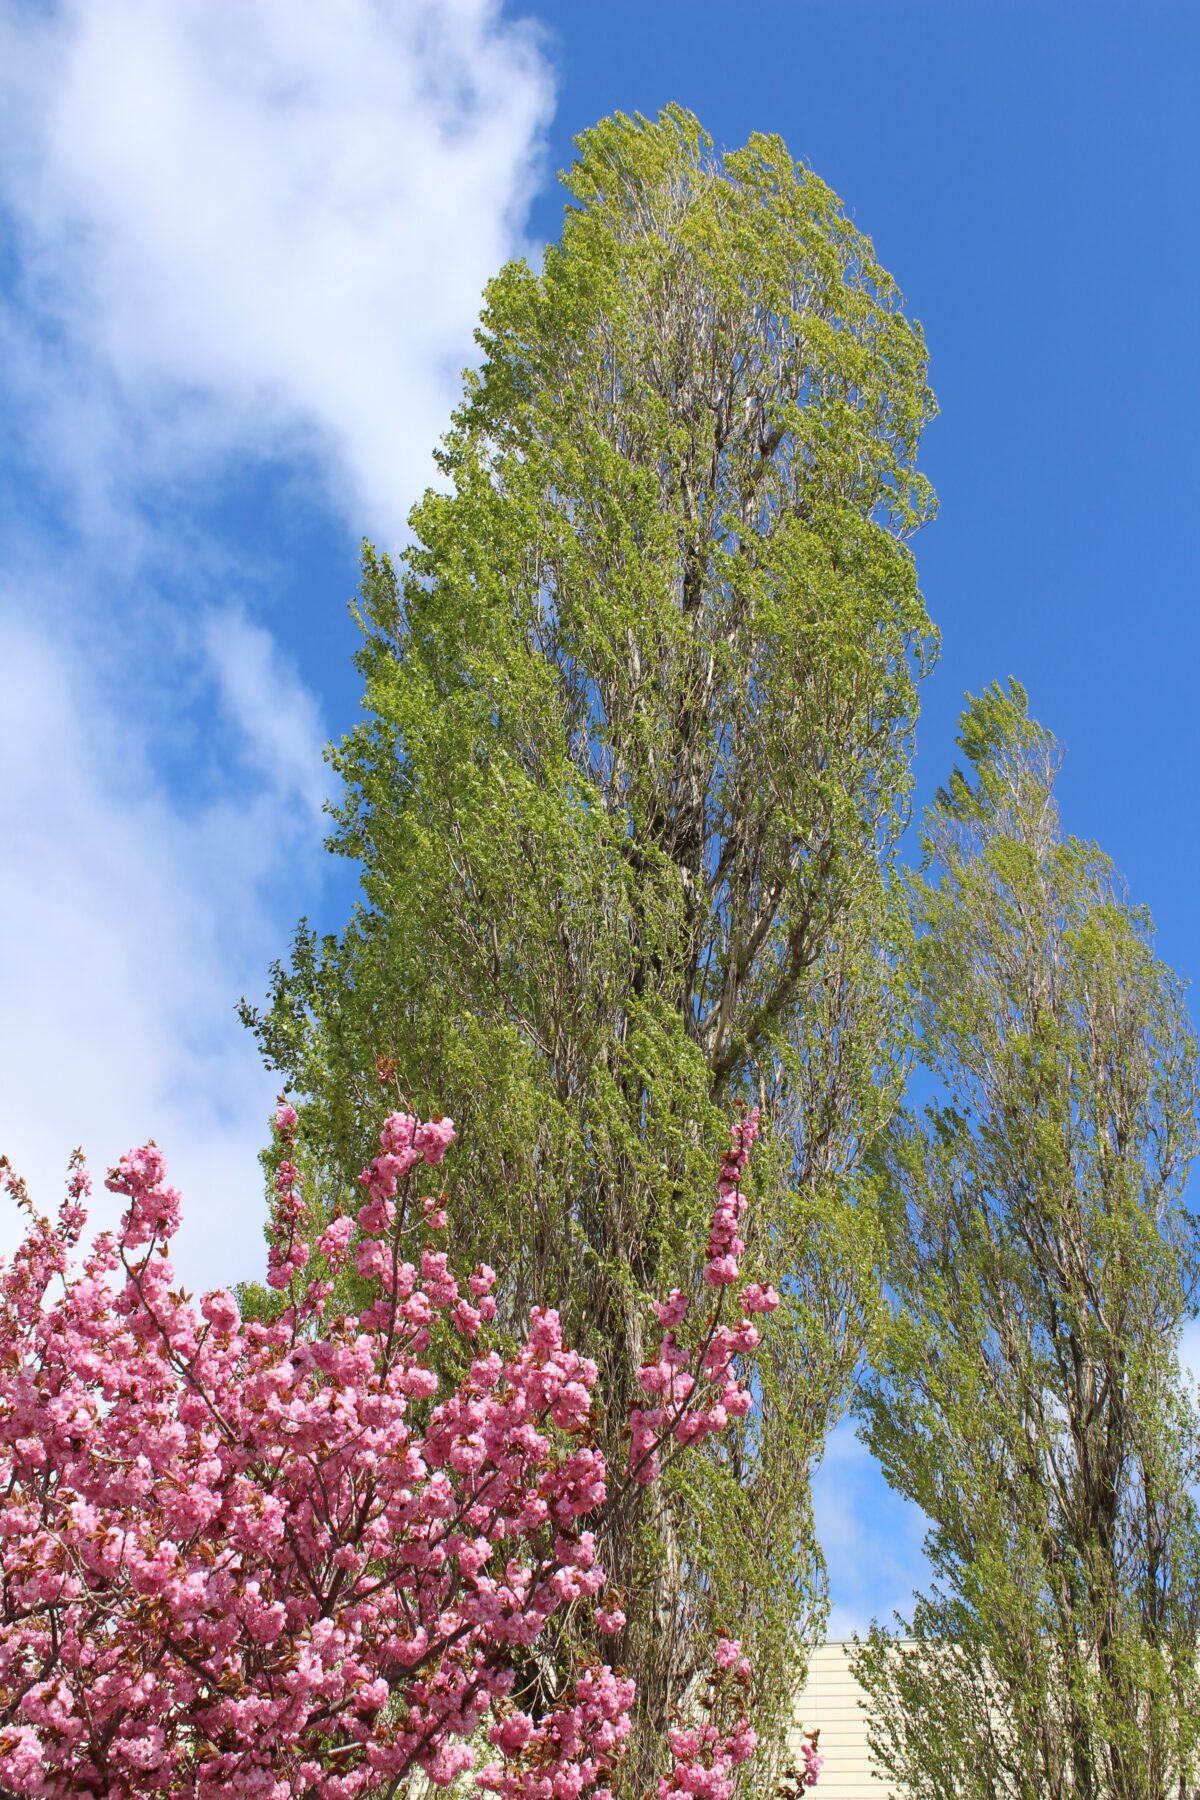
[{"x": 284, "y": 1557}]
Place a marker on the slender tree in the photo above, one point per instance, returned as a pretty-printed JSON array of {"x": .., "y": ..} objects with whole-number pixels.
[
  {"x": 1043, "y": 1260},
  {"x": 639, "y": 707}
]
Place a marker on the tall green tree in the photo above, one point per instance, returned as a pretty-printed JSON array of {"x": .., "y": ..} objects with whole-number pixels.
[
  {"x": 639, "y": 711},
  {"x": 1042, "y": 1262}
]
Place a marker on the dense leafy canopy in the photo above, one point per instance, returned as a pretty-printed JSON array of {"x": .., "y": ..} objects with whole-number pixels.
[
  {"x": 639, "y": 713},
  {"x": 1042, "y": 1261}
]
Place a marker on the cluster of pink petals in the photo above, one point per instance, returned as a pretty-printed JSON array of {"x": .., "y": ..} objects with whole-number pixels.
[
  {"x": 571, "y": 1750},
  {"x": 810, "y": 1774},
  {"x": 725, "y": 1247},
  {"x": 682, "y": 1409},
  {"x": 706, "y": 1754},
  {"x": 272, "y": 1560}
]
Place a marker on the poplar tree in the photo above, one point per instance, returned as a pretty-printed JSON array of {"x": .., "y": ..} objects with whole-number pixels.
[
  {"x": 639, "y": 703},
  {"x": 1042, "y": 1261}
]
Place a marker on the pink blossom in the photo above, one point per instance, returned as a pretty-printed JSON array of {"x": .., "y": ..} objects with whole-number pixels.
[
  {"x": 222, "y": 1535},
  {"x": 670, "y": 1312},
  {"x": 154, "y": 1209},
  {"x": 434, "y": 1138},
  {"x": 221, "y": 1310},
  {"x": 759, "y": 1299},
  {"x": 335, "y": 1239}
]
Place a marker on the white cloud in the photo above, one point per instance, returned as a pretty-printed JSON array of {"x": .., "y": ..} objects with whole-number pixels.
[
  {"x": 872, "y": 1537},
  {"x": 277, "y": 721},
  {"x": 127, "y": 927},
  {"x": 232, "y": 232},
  {"x": 265, "y": 226}
]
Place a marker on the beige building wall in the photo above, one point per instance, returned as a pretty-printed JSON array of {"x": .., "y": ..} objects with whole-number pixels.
[{"x": 833, "y": 1700}]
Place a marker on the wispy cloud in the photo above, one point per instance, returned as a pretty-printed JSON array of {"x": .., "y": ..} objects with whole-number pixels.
[
  {"x": 231, "y": 238},
  {"x": 262, "y": 227},
  {"x": 872, "y": 1537},
  {"x": 276, "y": 721},
  {"x": 127, "y": 924}
]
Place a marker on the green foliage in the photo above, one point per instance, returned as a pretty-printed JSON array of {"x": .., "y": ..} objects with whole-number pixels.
[
  {"x": 639, "y": 711},
  {"x": 1042, "y": 1260}
]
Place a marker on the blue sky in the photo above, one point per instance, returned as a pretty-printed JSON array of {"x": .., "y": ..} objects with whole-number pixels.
[{"x": 241, "y": 252}]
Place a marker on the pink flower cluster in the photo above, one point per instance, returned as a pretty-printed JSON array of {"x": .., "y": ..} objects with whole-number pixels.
[
  {"x": 682, "y": 1409},
  {"x": 724, "y": 1244},
  {"x": 705, "y": 1755},
  {"x": 805, "y": 1769},
  {"x": 810, "y": 1774},
  {"x": 273, "y": 1560}
]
